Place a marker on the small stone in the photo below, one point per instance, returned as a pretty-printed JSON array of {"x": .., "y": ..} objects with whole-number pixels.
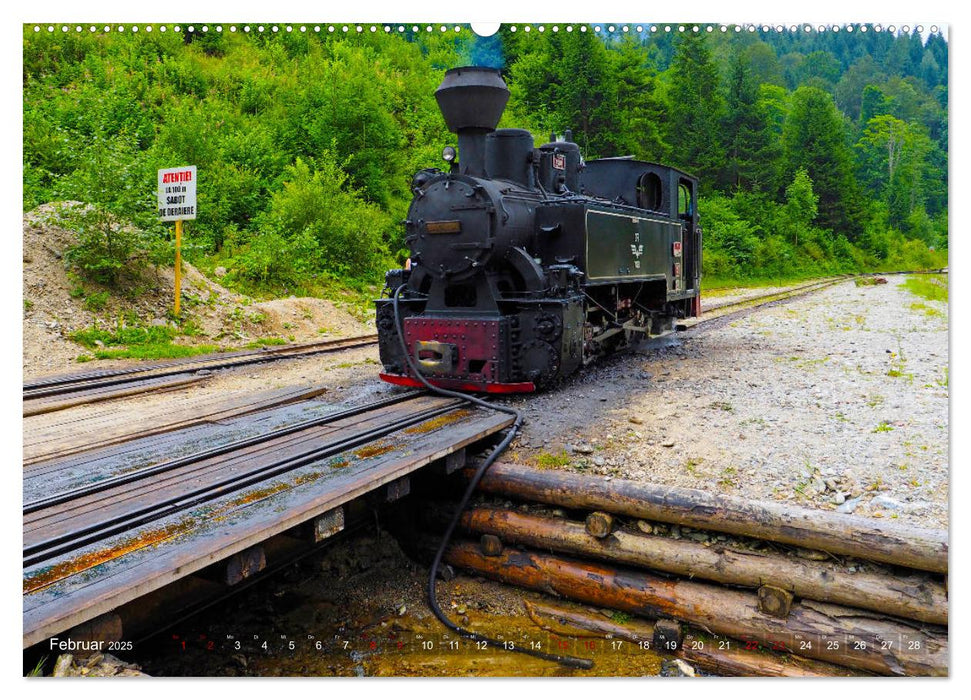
[
  {"x": 671, "y": 668},
  {"x": 94, "y": 660},
  {"x": 645, "y": 527},
  {"x": 636, "y": 420},
  {"x": 887, "y": 503},
  {"x": 849, "y": 506},
  {"x": 830, "y": 484},
  {"x": 667, "y": 443},
  {"x": 111, "y": 664},
  {"x": 583, "y": 449},
  {"x": 461, "y": 610},
  {"x": 811, "y": 554},
  {"x": 599, "y": 461},
  {"x": 63, "y": 665},
  {"x": 839, "y": 499},
  {"x": 403, "y": 609}
]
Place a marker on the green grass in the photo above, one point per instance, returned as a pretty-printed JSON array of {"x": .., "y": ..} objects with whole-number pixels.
[
  {"x": 929, "y": 310},
  {"x": 38, "y": 669},
  {"x": 155, "y": 351},
  {"x": 548, "y": 460},
  {"x": 884, "y": 427},
  {"x": 124, "y": 335},
  {"x": 28, "y": 304},
  {"x": 263, "y": 342},
  {"x": 135, "y": 342},
  {"x": 930, "y": 287}
]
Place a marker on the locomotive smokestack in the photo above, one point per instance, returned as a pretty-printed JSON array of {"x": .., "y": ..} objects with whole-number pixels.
[{"x": 472, "y": 100}]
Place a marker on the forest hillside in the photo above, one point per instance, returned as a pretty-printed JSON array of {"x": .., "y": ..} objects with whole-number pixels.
[{"x": 818, "y": 152}]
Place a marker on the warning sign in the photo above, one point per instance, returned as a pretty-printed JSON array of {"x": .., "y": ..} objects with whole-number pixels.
[{"x": 177, "y": 193}]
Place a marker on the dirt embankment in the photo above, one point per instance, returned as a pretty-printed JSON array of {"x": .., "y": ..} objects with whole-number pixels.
[{"x": 58, "y": 302}]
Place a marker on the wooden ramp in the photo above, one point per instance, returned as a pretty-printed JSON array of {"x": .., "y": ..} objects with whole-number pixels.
[{"x": 332, "y": 464}]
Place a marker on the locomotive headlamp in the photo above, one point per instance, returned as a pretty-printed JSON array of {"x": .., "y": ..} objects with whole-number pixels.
[{"x": 448, "y": 154}]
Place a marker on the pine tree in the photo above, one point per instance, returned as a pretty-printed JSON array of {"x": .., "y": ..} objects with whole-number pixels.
[
  {"x": 636, "y": 110},
  {"x": 586, "y": 91},
  {"x": 814, "y": 140},
  {"x": 873, "y": 104},
  {"x": 753, "y": 151},
  {"x": 695, "y": 110}
]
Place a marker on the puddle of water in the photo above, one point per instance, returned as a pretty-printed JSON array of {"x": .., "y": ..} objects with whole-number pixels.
[{"x": 412, "y": 646}]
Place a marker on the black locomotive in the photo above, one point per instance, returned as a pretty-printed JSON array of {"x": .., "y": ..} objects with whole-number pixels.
[{"x": 527, "y": 263}]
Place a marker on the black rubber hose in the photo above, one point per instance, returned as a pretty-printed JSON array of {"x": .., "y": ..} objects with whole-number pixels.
[{"x": 572, "y": 661}]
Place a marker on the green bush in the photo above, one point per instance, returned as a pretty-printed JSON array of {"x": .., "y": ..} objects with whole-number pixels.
[
  {"x": 96, "y": 302},
  {"x": 323, "y": 223},
  {"x": 117, "y": 227}
]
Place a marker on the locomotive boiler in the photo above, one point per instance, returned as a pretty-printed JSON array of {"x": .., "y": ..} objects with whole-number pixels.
[{"x": 527, "y": 263}]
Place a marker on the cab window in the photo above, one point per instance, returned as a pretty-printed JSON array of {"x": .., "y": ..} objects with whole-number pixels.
[{"x": 686, "y": 204}]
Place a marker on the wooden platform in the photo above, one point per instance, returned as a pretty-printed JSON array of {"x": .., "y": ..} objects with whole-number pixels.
[
  {"x": 51, "y": 435},
  {"x": 78, "y": 586}
]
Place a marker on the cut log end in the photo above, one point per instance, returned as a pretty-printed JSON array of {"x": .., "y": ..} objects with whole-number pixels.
[
  {"x": 600, "y": 525},
  {"x": 667, "y": 636},
  {"x": 490, "y": 545},
  {"x": 774, "y": 601}
]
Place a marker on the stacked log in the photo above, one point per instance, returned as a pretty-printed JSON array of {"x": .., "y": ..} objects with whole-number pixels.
[
  {"x": 712, "y": 655},
  {"x": 833, "y": 634},
  {"x": 865, "y": 538},
  {"x": 874, "y": 618},
  {"x": 912, "y": 596}
]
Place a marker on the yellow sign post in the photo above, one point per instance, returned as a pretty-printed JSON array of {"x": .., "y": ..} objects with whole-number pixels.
[
  {"x": 177, "y": 202},
  {"x": 178, "y": 266}
]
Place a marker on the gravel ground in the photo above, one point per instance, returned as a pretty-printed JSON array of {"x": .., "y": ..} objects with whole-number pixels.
[{"x": 836, "y": 400}]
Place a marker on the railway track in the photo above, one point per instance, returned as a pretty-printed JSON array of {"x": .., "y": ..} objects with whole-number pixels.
[
  {"x": 79, "y": 516},
  {"x": 718, "y": 310},
  {"x": 727, "y": 311},
  {"x": 720, "y": 313},
  {"x": 113, "y": 531},
  {"x": 63, "y": 391}
]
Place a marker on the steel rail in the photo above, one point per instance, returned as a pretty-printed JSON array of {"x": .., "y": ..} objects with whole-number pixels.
[
  {"x": 67, "y": 542},
  {"x": 780, "y": 293},
  {"x": 54, "y": 386},
  {"x": 105, "y": 484}
]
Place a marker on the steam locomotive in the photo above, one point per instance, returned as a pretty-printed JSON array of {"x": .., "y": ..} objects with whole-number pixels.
[{"x": 528, "y": 263}]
